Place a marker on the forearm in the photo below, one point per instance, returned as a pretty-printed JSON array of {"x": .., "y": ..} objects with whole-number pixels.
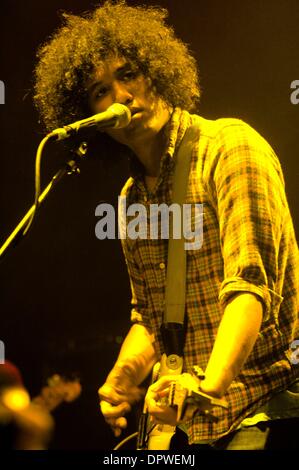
[
  {"x": 235, "y": 339},
  {"x": 137, "y": 353}
]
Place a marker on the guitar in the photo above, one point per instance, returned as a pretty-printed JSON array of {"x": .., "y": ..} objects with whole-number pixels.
[
  {"x": 184, "y": 395},
  {"x": 57, "y": 391},
  {"x": 31, "y": 420}
]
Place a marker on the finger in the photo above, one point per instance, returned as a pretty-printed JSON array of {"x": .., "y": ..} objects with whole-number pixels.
[
  {"x": 118, "y": 425},
  {"x": 114, "y": 411},
  {"x": 162, "y": 393},
  {"x": 116, "y": 431},
  {"x": 116, "y": 395},
  {"x": 163, "y": 383},
  {"x": 121, "y": 422},
  {"x": 153, "y": 408},
  {"x": 157, "y": 398},
  {"x": 109, "y": 394},
  {"x": 166, "y": 416}
]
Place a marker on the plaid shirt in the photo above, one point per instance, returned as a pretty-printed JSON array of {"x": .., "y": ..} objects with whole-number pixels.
[{"x": 248, "y": 245}]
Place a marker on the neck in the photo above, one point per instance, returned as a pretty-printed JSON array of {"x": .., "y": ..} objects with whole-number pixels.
[{"x": 150, "y": 151}]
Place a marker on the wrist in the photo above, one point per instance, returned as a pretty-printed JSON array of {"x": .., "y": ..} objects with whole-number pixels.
[
  {"x": 124, "y": 370},
  {"x": 211, "y": 389}
]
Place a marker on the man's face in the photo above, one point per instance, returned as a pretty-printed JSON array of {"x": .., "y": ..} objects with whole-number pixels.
[{"x": 116, "y": 81}]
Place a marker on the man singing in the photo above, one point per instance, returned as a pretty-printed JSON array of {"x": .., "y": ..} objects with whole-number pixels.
[{"x": 242, "y": 284}]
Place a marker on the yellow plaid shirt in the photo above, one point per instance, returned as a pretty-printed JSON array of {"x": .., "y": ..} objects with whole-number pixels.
[{"x": 248, "y": 245}]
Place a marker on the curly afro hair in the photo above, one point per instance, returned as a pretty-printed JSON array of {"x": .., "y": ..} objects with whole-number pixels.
[{"x": 139, "y": 34}]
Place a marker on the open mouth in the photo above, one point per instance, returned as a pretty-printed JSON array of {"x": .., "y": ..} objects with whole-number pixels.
[{"x": 135, "y": 111}]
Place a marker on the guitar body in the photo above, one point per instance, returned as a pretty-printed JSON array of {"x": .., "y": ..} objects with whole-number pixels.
[
  {"x": 160, "y": 437},
  {"x": 184, "y": 395}
]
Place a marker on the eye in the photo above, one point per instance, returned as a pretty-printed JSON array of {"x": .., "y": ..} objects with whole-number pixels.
[
  {"x": 129, "y": 75},
  {"x": 100, "y": 93}
]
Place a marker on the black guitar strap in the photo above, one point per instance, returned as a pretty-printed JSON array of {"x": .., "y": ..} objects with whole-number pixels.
[{"x": 172, "y": 329}]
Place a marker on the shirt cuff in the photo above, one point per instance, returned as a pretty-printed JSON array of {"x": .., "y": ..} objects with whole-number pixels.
[
  {"x": 136, "y": 317},
  {"x": 142, "y": 319}
]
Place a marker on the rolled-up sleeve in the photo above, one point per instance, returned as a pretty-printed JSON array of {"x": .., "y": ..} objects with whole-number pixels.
[{"x": 251, "y": 201}]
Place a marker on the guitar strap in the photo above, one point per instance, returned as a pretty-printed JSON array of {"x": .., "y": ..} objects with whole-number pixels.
[{"x": 172, "y": 328}]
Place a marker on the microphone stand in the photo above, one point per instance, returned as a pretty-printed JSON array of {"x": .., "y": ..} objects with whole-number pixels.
[{"x": 70, "y": 168}]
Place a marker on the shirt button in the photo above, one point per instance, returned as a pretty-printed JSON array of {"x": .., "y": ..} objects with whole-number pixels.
[{"x": 162, "y": 265}]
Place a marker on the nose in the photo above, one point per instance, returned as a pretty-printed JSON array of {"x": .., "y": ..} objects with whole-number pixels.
[{"x": 121, "y": 94}]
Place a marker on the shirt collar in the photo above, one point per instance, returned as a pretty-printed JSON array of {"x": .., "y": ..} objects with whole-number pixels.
[{"x": 175, "y": 129}]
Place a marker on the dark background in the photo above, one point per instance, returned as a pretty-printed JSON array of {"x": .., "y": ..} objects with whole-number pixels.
[{"x": 65, "y": 298}]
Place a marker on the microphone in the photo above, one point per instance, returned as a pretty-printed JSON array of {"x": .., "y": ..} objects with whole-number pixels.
[{"x": 116, "y": 117}]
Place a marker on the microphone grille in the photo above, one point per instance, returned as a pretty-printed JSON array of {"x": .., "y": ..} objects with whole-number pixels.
[{"x": 123, "y": 115}]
